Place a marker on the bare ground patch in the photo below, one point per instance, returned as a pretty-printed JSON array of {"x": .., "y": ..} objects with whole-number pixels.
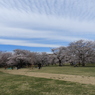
[{"x": 72, "y": 78}]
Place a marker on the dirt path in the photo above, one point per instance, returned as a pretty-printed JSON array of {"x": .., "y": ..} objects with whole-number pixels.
[{"x": 72, "y": 78}]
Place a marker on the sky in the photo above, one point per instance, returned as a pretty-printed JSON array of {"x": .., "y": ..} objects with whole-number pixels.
[{"x": 39, "y": 25}]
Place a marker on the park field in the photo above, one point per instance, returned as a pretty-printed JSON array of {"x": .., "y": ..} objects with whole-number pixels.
[
  {"x": 51, "y": 80},
  {"x": 70, "y": 70}
]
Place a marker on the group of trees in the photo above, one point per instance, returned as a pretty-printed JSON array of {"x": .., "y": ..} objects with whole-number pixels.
[
  {"x": 79, "y": 52},
  {"x": 23, "y": 58}
]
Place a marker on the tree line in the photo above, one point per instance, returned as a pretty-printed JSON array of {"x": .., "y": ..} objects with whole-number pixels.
[{"x": 78, "y": 53}]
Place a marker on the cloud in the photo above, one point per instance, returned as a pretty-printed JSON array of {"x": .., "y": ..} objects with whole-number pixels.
[
  {"x": 23, "y": 19},
  {"x": 25, "y": 43},
  {"x": 29, "y": 34},
  {"x": 80, "y": 9},
  {"x": 56, "y": 20}
]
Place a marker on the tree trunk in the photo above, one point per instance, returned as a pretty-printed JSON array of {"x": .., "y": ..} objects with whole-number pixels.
[
  {"x": 83, "y": 64},
  {"x": 79, "y": 64},
  {"x": 60, "y": 63}
]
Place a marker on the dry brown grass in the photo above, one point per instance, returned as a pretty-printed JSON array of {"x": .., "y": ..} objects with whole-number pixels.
[{"x": 72, "y": 78}]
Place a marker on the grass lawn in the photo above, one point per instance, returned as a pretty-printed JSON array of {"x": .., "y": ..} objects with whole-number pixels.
[
  {"x": 85, "y": 71},
  {"x": 25, "y": 85}
]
